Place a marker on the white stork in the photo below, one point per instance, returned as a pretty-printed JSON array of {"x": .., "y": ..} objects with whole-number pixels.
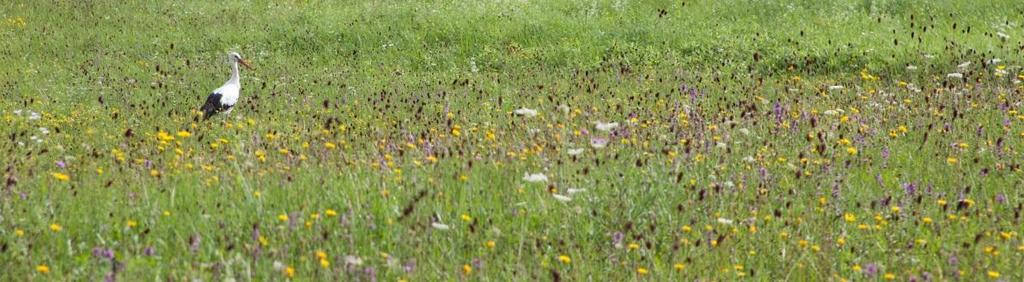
[{"x": 224, "y": 98}]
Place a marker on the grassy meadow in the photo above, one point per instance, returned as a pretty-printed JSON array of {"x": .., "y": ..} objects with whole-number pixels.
[{"x": 849, "y": 140}]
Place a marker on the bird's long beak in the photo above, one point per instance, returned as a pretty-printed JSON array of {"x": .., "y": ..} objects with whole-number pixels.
[{"x": 244, "y": 63}]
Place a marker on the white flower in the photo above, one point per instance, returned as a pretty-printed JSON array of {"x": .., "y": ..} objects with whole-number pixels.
[
  {"x": 564, "y": 109},
  {"x": 598, "y": 143},
  {"x": 44, "y": 130},
  {"x": 34, "y": 115},
  {"x": 724, "y": 220},
  {"x": 278, "y": 266},
  {"x": 354, "y": 260},
  {"x": 956, "y": 75},
  {"x": 995, "y": 61},
  {"x": 749, "y": 159},
  {"x": 964, "y": 65},
  {"x": 1002, "y": 35},
  {"x": 536, "y": 177},
  {"x": 576, "y": 190},
  {"x": 720, "y": 145},
  {"x": 561, "y": 198},
  {"x": 606, "y": 126},
  {"x": 744, "y": 131},
  {"x": 831, "y": 112},
  {"x": 17, "y": 112},
  {"x": 573, "y": 152},
  {"x": 439, "y": 226},
  {"x": 911, "y": 67},
  {"x": 836, "y": 87},
  {"x": 526, "y": 112},
  {"x": 929, "y": 56}
]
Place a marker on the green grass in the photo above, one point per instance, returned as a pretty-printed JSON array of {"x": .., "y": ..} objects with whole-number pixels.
[{"x": 417, "y": 98}]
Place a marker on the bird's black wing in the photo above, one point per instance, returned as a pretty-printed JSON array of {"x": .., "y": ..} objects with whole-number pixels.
[{"x": 212, "y": 106}]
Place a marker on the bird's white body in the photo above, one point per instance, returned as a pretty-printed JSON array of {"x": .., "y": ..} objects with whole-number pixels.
[{"x": 224, "y": 98}]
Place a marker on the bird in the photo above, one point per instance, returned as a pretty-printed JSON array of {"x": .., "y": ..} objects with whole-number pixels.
[{"x": 223, "y": 98}]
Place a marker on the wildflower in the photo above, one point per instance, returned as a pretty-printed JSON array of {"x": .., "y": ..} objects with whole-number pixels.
[
  {"x": 467, "y": 269},
  {"x": 490, "y": 244},
  {"x": 851, "y": 150},
  {"x": 573, "y": 152},
  {"x": 330, "y": 213},
  {"x": 289, "y": 271},
  {"x": 564, "y": 259},
  {"x": 329, "y": 145},
  {"x": 282, "y": 217},
  {"x": 598, "y": 143},
  {"x": 55, "y": 227},
  {"x": 42, "y": 268},
  {"x": 641, "y": 271},
  {"x": 536, "y": 177},
  {"x": 951, "y": 160},
  {"x": 439, "y": 226},
  {"x": 606, "y": 126},
  {"x": 561, "y": 198},
  {"x": 60, "y": 176},
  {"x": 849, "y": 217},
  {"x": 466, "y": 218},
  {"x": 19, "y": 232},
  {"x": 993, "y": 274},
  {"x": 184, "y": 134},
  {"x": 955, "y": 75},
  {"x": 725, "y": 221},
  {"x": 526, "y": 112},
  {"x": 679, "y": 266},
  {"x": 131, "y": 224}
]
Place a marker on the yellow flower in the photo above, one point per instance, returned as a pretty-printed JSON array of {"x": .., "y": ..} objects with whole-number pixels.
[
  {"x": 679, "y": 266},
  {"x": 184, "y": 134},
  {"x": 466, "y": 218},
  {"x": 42, "y": 268},
  {"x": 55, "y": 227},
  {"x": 993, "y": 274},
  {"x": 132, "y": 224},
  {"x": 331, "y": 213},
  {"x": 467, "y": 269},
  {"x": 951, "y": 160},
  {"x": 18, "y": 232},
  {"x": 329, "y": 145},
  {"x": 851, "y": 150},
  {"x": 61, "y": 176},
  {"x": 321, "y": 254},
  {"x": 889, "y": 276},
  {"x": 927, "y": 220},
  {"x": 282, "y": 217},
  {"x": 491, "y": 244},
  {"x": 856, "y": 268},
  {"x": 641, "y": 271},
  {"x": 849, "y": 217},
  {"x": 564, "y": 259},
  {"x": 289, "y": 271}
]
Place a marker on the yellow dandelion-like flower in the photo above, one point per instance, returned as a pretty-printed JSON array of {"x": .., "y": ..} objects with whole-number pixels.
[
  {"x": 851, "y": 150},
  {"x": 679, "y": 266},
  {"x": 564, "y": 259},
  {"x": 131, "y": 224},
  {"x": 331, "y": 213},
  {"x": 289, "y": 271},
  {"x": 184, "y": 134},
  {"x": 849, "y": 217},
  {"x": 466, "y": 218},
  {"x": 330, "y": 145},
  {"x": 490, "y": 244},
  {"x": 642, "y": 271},
  {"x": 467, "y": 269},
  {"x": 60, "y": 176},
  {"x": 993, "y": 274},
  {"x": 42, "y": 268},
  {"x": 19, "y": 232},
  {"x": 889, "y": 276},
  {"x": 951, "y": 160},
  {"x": 56, "y": 227},
  {"x": 282, "y": 217}
]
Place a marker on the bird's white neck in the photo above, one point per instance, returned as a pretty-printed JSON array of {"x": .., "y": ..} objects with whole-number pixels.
[{"x": 234, "y": 73}]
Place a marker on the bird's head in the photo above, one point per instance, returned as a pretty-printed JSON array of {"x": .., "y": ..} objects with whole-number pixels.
[{"x": 235, "y": 57}]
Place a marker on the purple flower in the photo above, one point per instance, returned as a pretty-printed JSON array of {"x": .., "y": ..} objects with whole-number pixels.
[
  {"x": 910, "y": 188},
  {"x": 149, "y": 251},
  {"x": 103, "y": 253},
  {"x": 1001, "y": 198},
  {"x": 61, "y": 164},
  {"x": 885, "y": 153},
  {"x": 870, "y": 270},
  {"x": 617, "y": 239},
  {"x": 409, "y": 266}
]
